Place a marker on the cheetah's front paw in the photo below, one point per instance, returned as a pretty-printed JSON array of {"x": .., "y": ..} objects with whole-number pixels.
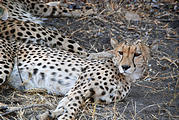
[
  {"x": 46, "y": 116},
  {"x": 52, "y": 115}
]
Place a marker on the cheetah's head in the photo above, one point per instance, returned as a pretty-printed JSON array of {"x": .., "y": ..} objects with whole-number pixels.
[
  {"x": 131, "y": 58},
  {"x": 3, "y": 12}
]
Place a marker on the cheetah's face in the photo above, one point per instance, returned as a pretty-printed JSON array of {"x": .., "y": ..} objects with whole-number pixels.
[{"x": 130, "y": 59}]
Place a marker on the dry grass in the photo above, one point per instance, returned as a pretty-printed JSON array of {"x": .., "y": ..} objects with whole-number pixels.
[{"x": 154, "y": 97}]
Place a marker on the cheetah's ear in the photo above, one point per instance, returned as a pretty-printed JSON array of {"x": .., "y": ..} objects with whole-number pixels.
[
  {"x": 114, "y": 42},
  {"x": 145, "y": 51}
]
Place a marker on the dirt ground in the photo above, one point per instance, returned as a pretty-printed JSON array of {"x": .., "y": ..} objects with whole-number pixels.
[{"x": 156, "y": 97}]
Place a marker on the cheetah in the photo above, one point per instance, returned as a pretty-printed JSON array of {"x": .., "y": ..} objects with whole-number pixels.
[
  {"x": 78, "y": 79},
  {"x": 17, "y": 28},
  {"x": 33, "y": 10},
  {"x": 32, "y": 56}
]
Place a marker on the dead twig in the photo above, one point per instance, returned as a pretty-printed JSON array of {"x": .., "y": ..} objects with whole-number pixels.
[
  {"x": 23, "y": 108},
  {"x": 147, "y": 108},
  {"x": 168, "y": 59}
]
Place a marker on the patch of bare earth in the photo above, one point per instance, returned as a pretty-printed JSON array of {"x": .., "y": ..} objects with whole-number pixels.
[{"x": 154, "y": 97}]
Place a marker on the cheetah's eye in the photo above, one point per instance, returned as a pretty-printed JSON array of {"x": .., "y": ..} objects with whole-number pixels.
[
  {"x": 120, "y": 52},
  {"x": 137, "y": 54}
]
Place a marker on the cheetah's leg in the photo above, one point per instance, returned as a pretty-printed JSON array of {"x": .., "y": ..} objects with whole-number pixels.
[
  {"x": 57, "y": 9},
  {"x": 6, "y": 61},
  {"x": 67, "y": 107},
  {"x": 71, "y": 103}
]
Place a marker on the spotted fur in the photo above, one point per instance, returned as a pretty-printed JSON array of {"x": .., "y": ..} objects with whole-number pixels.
[
  {"x": 17, "y": 26},
  {"x": 33, "y": 10},
  {"x": 64, "y": 73},
  {"x": 32, "y": 56}
]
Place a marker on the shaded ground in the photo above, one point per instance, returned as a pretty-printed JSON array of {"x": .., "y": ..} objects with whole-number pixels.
[{"x": 154, "y": 97}]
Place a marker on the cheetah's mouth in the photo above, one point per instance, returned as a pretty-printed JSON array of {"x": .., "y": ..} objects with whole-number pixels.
[{"x": 126, "y": 72}]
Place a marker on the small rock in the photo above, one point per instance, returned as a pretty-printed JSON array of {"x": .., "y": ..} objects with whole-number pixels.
[{"x": 132, "y": 16}]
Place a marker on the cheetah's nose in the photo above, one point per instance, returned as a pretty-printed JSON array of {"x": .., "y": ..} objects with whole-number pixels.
[{"x": 125, "y": 67}]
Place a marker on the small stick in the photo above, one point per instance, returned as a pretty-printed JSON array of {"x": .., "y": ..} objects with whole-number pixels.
[
  {"x": 23, "y": 108},
  {"x": 147, "y": 107}
]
